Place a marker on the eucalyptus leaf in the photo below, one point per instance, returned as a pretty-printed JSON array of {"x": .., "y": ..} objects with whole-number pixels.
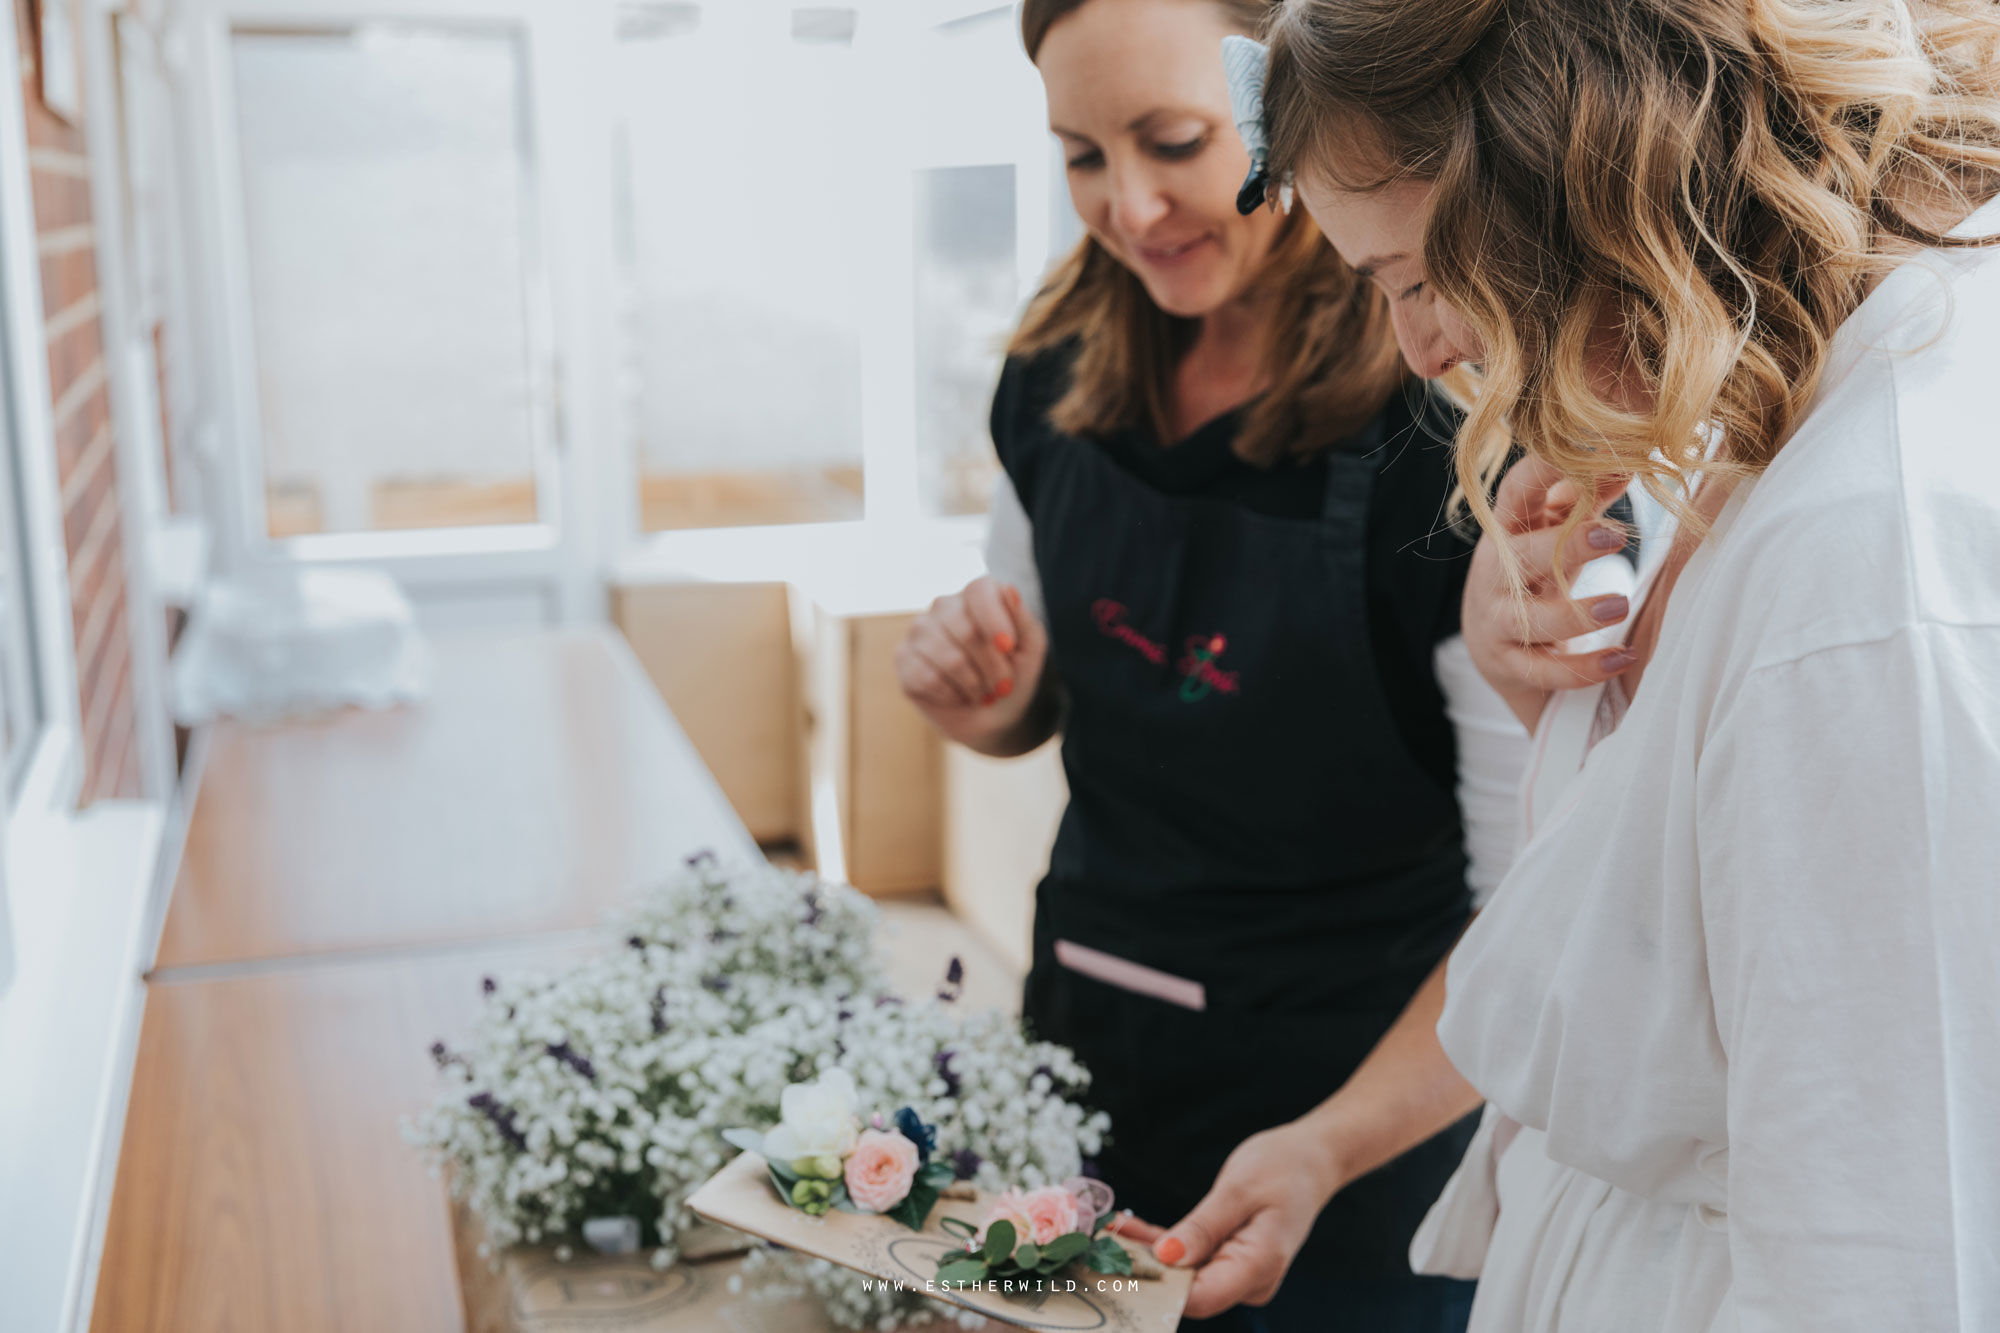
[
  {"x": 782, "y": 1170},
  {"x": 968, "y": 1269},
  {"x": 999, "y": 1241},
  {"x": 1066, "y": 1247},
  {"x": 1107, "y": 1256},
  {"x": 749, "y": 1140},
  {"x": 937, "y": 1175},
  {"x": 1028, "y": 1255}
]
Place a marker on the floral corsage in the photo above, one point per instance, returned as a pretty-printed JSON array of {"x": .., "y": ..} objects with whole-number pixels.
[
  {"x": 822, "y": 1157},
  {"x": 1037, "y": 1233}
]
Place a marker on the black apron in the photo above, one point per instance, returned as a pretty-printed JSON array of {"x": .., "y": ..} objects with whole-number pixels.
[{"x": 1244, "y": 815}]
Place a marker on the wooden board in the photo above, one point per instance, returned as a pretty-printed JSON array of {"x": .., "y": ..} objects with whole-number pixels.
[
  {"x": 541, "y": 784},
  {"x": 264, "y": 1183},
  {"x": 878, "y": 1249}
]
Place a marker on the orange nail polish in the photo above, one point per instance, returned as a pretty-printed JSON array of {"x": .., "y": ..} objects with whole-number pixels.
[
  {"x": 1004, "y": 688},
  {"x": 1013, "y": 596},
  {"x": 987, "y": 702},
  {"x": 1170, "y": 1250},
  {"x": 1004, "y": 641}
]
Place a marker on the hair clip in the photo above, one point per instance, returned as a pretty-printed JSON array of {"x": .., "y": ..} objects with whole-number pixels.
[{"x": 1243, "y": 63}]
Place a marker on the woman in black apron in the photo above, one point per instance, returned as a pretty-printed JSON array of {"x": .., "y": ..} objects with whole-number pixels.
[{"x": 1222, "y": 573}]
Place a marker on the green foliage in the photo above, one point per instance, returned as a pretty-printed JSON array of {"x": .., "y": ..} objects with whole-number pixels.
[
  {"x": 999, "y": 1256},
  {"x": 930, "y": 1181},
  {"x": 1107, "y": 1256}
]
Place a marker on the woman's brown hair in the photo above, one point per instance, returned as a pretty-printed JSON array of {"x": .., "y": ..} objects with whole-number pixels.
[
  {"x": 1331, "y": 358},
  {"x": 1721, "y": 180}
]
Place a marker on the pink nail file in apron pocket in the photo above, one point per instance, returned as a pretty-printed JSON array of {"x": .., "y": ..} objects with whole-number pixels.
[{"x": 1131, "y": 976}]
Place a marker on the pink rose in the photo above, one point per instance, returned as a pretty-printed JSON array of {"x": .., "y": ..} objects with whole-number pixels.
[
  {"x": 879, "y": 1170},
  {"x": 1037, "y": 1215},
  {"x": 1007, "y": 1207}
]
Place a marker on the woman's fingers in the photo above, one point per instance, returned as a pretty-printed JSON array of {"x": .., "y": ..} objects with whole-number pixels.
[
  {"x": 1546, "y": 668},
  {"x": 986, "y": 602},
  {"x": 1034, "y": 648},
  {"x": 1545, "y": 550},
  {"x": 1246, "y": 1269},
  {"x": 998, "y": 626},
  {"x": 922, "y": 682},
  {"x": 1523, "y": 498},
  {"x": 972, "y": 649},
  {"x": 938, "y": 652},
  {"x": 953, "y": 617},
  {"x": 1534, "y": 494},
  {"x": 1550, "y": 621},
  {"x": 1214, "y": 1220},
  {"x": 1135, "y": 1228}
]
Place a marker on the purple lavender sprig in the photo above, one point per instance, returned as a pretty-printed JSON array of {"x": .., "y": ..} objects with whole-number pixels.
[
  {"x": 954, "y": 980},
  {"x": 570, "y": 1056},
  {"x": 942, "y": 1063},
  {"x": 501, "y": 1116}
]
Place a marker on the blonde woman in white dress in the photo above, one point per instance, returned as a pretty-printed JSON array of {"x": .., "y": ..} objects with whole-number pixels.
[{"x": 1742, "y": 987}]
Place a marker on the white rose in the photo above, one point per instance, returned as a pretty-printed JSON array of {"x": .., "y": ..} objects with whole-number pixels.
[{"x": 817, "y": 1119}]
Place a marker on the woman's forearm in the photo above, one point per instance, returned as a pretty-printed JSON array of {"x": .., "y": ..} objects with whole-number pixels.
[{"x": 1405, "y": 1092}]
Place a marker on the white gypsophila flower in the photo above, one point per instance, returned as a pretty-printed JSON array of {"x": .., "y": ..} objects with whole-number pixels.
[{"x": 600, "y": 1090}]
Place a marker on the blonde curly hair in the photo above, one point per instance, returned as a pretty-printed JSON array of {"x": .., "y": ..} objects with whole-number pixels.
[{"x": 1721, "y": 181}]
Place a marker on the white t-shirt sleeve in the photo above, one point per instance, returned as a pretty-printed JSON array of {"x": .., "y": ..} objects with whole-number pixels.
[
  {"x": 1850, "y": 898},
  {"x": 1492, "y": 752},
  {"x": 1010, "y": 546}
]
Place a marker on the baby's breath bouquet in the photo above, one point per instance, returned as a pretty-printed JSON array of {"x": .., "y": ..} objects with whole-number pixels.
[
  {"x": 1005, "y": 1113},
  {"x": 602, "y": 1092}
]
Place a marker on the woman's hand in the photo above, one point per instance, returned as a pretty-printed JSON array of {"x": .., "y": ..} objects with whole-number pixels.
[
  {"x": 1520, "y": 647},
  {"x": 973, "y": 665},
  {"x": 1243, "y": 1234}
]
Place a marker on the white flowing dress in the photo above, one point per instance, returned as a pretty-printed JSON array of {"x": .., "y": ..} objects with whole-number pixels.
[{"x": 1742, "y": 987}]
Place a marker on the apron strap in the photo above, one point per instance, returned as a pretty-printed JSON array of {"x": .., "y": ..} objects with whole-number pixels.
[{"x": 1350, "y": 477}]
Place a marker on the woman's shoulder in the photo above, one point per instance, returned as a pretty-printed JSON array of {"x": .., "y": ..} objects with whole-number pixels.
[
  {"x": 1881, "y": 513},
  {"x": 1031, "y": 383}
]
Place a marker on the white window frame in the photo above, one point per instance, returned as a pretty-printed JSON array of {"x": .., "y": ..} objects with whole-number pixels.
[
  {"x": 54, "y": 775},
  {"x": 554, "y": 561},
  {"x": 892, "y": 509},
  {"x": 597, "y": 533}
]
